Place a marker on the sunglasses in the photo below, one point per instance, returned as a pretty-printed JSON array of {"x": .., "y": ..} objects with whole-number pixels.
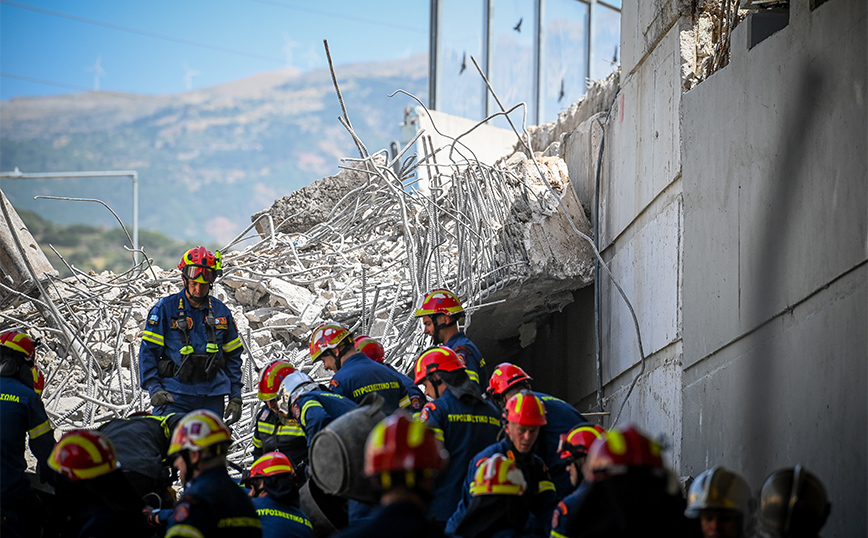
[{"x": 195, "y": 271}]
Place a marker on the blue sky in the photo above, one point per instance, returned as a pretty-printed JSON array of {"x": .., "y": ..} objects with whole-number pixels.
[{"x": 166, "y": 46}]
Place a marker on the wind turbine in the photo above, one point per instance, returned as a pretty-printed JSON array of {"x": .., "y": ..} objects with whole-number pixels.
[
  {"x": 98, "y": 72},
  {"x": 288, "y": 45},
  {"x": 188, "y": 76}
]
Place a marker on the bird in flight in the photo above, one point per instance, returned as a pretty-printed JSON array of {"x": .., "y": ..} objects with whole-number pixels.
[
  {"x": 517, "y": 27},
  {"x": 463, "y": 63},
  {"x": 561, "y": 95}
]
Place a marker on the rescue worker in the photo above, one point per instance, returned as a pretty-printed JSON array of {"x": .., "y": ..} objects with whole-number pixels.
[
  {"x": 573, "y": 449},
  {"x": 274, "y": 490},
  {"x": 497, "y": 508},
  {"x": 524, "y": 416},
  {"x": 792, "y": 504},
  {"x": 22, "y": 416},
  {"x": 440, "y": 311},
  {"x": 190, "y": 355},
  {"x": 507, "y": 380},
  {"x": 141, "y": 443},
  {"x": 212, "y": 504},
  {"x": 355, "y": 376},
  {"x": 403, "y": 459},
  {"x": 273, "y": 431},
  {"x": 722, "y": 502},
  {"x": 629, "y": 491},
  {"x": 98, "y": 500},
  {"x": 300, "y": 398},
  {"x": 461, "y": 419},
  {"x": 374, "y": 350}
]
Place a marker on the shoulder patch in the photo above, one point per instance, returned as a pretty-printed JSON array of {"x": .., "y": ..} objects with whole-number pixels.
[
  {"x": 333, "y": 383},
  {"x": 153, "y": 319},
  {"x": 264, "y": 413},
  {"x": 556, "y": 516},
  {"x": 181, "y": 512},
  {"x": 296, "y": 411},
  {"x": 427, "y": 408}
]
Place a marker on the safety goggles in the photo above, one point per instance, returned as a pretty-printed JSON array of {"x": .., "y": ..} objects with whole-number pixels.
[{"x": 197, "y": 272}]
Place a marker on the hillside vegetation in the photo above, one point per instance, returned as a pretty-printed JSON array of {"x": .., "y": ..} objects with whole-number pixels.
[{"x": 98, "y": 248}]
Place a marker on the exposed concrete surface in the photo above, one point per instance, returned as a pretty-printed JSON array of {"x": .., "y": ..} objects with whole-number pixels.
[{"x": 14, "y": 273}]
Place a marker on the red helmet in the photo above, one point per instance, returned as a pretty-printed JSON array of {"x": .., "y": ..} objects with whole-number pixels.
[
  {"x": 18, "y": 341},
  {"x": 498, "y": 475},
  {"x": 370, "y": 347},
  {"x": 525, "y": 408},
  {"x": 399, "y": 444},
  {"x": 272, "y": 375},
  {"x": 38, "y": 379},
  {"x": 199, "y": 430},
  {"x": 576, "y": 442},
  {"x": 437, "y": 359},
  {"x": 506, "y": 375},
  {"x": 83, "y": 454},
  {"x": 439, "y": 301},
  {"x": 271, "y": 464},
  {"x": 620, "y": 449},
  {"x": 200, "y": 265},
  {"x": 326, "y": 336}
]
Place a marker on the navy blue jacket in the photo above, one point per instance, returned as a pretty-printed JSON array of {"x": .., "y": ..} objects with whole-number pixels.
[
  {"x": 21, "y": 413},
  {"x": 359, "y": 376},
  {"x": 160, "y": 338},
  {"x": 465, "y": 427},
  {"x": 474, "y": 362},
  {"x": 396, "y": 520},
  {"x": 271, "y": 435},
  {"x": 566, "y": 508},
  {"x": 417, "y": 397},
  {"x": 314, "y": 410},
  {"x": 281, "y": 520},
  {"x": 561, "y": 417},
  {"x": 213, "y": 505},
  {"x": 540, "y": 489}
]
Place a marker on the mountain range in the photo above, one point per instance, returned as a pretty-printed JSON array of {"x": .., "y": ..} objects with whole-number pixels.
[{"x": 206, "y": 159}]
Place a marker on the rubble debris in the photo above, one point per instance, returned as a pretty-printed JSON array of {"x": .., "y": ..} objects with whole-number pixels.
[{"x": 382, "y": 244}]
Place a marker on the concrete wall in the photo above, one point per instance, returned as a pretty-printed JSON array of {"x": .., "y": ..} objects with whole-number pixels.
[
  {"x": 734, "y": 218},
  {"x": 774, "y": 308}
]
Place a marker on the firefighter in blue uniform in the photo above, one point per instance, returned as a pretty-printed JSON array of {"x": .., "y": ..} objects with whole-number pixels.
[
  {"x": 460, "y": 418},
  {"x": 299, "y": 397},
  {"x": 97, "y": 498},
  {"x": 498, "y": 508},
  {"x": 21, "y": 414},
  {"x": 190, "y": 355},
  {"x": 573, "y": 449},
  {"x": 355, "y": 375},
  {"x": 374, "y": 350},
  {"x": 274, "y": 490},
  {"x": 212, "y": 504},
  {"x": 273, "y": 431},
  {"x": 525, "y": 414},
  {"x": 506, "y": 381},
  {"x": 403, "y": 459},
  {"x": 440, "y": 311}
]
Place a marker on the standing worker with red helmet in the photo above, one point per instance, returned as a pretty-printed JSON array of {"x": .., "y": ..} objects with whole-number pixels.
[
  {"x": 573, "y": 449},
  {"x": 21, "y": 415},
  {"x": 524, "y": 416},
  {"x": 190, "y": 357},
  {"x": 374, "y": 350},
  {"x": 461, "y": 419},
  {"x": 506, "y": 381},
  {"x": 440, "y": 311}
]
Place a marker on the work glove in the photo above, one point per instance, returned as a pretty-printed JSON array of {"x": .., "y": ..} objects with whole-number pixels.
[
  {"x": 233, "y": 411},
  {"x": 161, "y": 398}
]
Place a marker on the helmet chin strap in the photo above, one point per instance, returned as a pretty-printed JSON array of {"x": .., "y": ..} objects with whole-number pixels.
[
  {"x": 435, "y": 336},
  {"x": 196, "y": 301}
]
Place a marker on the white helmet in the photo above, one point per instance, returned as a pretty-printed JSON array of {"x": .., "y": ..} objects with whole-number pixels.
[
  {"x": 719, "y": 488},
  {"x": 293, "y": 386}
]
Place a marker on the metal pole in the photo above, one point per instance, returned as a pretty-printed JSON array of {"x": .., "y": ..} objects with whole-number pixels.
[{"x": 18, "y": 174}]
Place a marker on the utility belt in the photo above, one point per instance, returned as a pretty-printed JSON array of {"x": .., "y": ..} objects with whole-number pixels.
[{"x": 194, "y": 368}]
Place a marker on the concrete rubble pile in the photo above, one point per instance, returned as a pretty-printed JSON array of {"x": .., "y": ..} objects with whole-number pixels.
[{"x": 377, "y": 247}]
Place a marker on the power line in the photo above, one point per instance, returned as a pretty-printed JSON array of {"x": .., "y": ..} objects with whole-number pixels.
[
  {"x": 147, "y": 33},
  {"x": 73, "y": 86},
  {"x": 338, "y": 15}
]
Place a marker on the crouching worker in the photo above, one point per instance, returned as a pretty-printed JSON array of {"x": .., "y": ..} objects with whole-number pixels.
[
  {"x": 212, "y": 504},
  {"x": 274, "y": 489},
  {"x": 402, "y": 458},
  {"x": 497, "y": 509}
]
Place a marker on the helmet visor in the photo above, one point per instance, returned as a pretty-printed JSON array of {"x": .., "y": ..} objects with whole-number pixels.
[{"x": 206, "y": 275}]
